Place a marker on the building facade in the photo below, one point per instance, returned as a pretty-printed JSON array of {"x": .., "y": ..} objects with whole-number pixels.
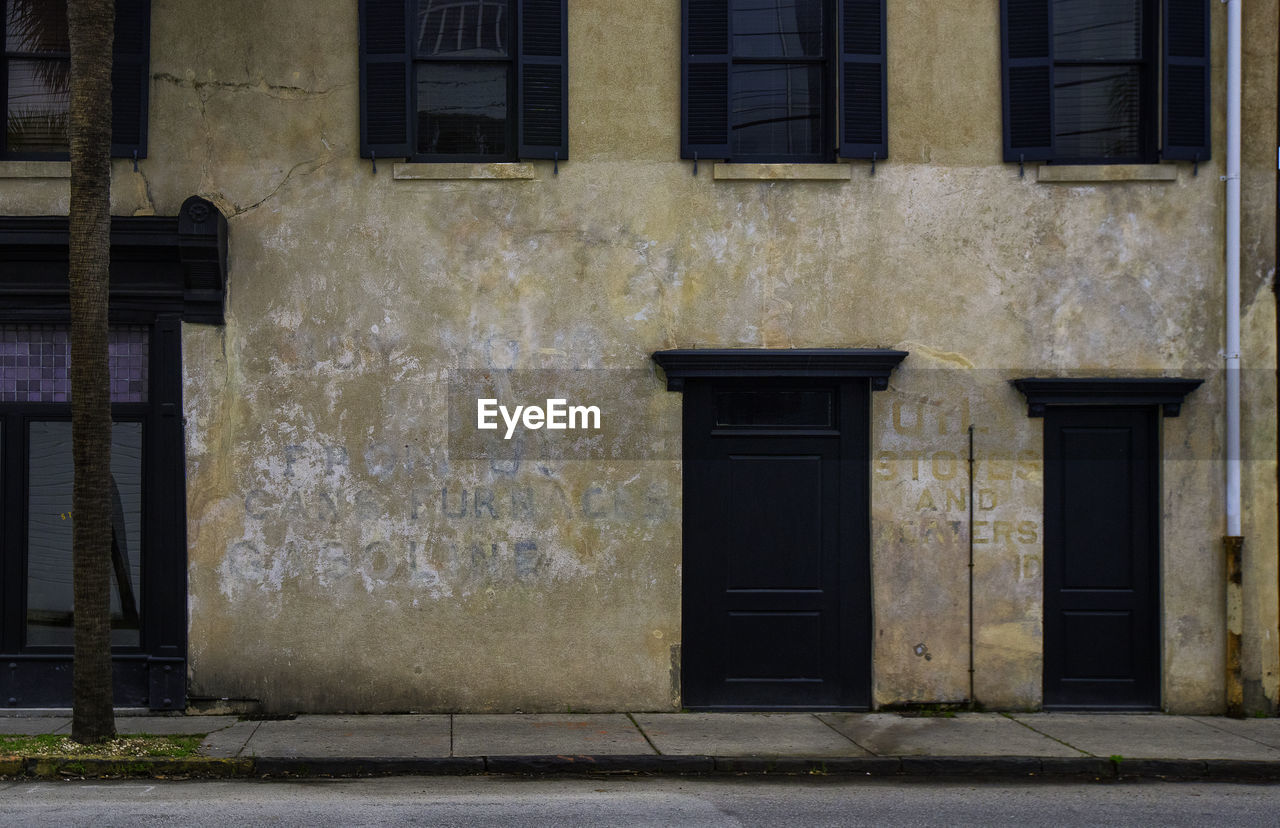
[{"x": 887, "y": 340}]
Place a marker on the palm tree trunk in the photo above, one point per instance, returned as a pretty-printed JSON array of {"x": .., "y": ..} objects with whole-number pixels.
[{"x": 91, "y": 25}]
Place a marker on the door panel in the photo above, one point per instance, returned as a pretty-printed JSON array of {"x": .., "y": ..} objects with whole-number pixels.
[
  {"x": 1096, "y": 490},
  {"x": 776, "y": 586},
  {"x": 773, "y": 646},
  {"x": 1101, "y": 636},
  {"x": 774, "y": 540}
]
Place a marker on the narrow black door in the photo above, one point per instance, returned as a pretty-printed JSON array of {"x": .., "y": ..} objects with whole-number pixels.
[
  {"x": 1101, "y": 636},
  {"x": 776, "y": 563}
]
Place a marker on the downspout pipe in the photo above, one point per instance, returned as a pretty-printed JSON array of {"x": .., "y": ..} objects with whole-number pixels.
[
  {"x": 1233, "y": 543},
  {"x": 1233, "y": 267}
]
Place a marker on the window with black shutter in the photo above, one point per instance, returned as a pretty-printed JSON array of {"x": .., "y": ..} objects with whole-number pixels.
[
  {"x": 784, "y": 80},
  {"x": 35, "y": 78},
  {"x": 1105, "y": 81},
  {"x": 464, "y": 80}
]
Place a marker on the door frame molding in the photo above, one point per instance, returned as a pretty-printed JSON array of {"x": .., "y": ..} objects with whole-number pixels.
[
  {"x": 1162, "y": 396},
  {"x": 843, "y": 368},
  {"x": 1166, "y": 392},
  {"x": 792, "y": 363}
]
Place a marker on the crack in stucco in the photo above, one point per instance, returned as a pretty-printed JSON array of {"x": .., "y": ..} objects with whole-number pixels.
[
  {"x": 208, "y": 143},
  {"x": 942, "y": 356},
  {"x": 148, "y": 207},
  {"x": 313, "y": 164},
  {"x": 277, "y": 91}
]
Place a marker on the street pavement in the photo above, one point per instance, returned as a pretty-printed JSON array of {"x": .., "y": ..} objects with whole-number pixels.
[
  {"x": 589, "y": 802},
  {"x": 881, "y": 744}
]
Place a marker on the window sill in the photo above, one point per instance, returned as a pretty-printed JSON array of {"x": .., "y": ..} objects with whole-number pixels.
[
  {"x": 783, "y": 172},
  {"x": 35, "y": 169},
  {"x": 505, "y": 171},
  {"x": 1101, "y": 173}
]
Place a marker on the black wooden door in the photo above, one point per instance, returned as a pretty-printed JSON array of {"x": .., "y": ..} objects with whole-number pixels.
[
  {"x": 1101, "y": 636},
  {"x": 776, "y": 562}
]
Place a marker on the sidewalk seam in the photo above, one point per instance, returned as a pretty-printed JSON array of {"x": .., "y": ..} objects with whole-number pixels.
[
  {"x": 632, "y": 717},
  {"x": 869, "y": 751},
  {"x": 231, "y": 723},
  {"x": 1229, "y": 733},
  {"x": 247, "y": 741},
  {"x": 1010, "y": 717}
]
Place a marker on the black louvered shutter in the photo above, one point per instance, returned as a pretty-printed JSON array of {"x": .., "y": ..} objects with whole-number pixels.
[
  {"x": 704, "y": 122},
  {"x": 385, "y": 75},
  {"x": 130, "y": 67},
  {"x": 543, "y": 79},
  {"x": 1027, "y": 52},
  {"x": 864, "y": 125},
  {"x": 1185, "y": 133}
]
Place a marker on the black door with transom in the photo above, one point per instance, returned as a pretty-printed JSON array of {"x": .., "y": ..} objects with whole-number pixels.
[
  {"x": 776, "y": 545},
  {"x": 1101, "y": 636}
]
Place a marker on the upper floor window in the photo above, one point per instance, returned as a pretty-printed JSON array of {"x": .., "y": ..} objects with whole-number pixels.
[
  {"x": 1106, "y": 81},
  {"x": 35, "y": 79},
  {"x": 464, "y": 80},
  {"x": 784, "y": 80}
]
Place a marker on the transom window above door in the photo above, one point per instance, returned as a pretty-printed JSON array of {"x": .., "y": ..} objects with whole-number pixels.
[{"x": 35, "y": 363}]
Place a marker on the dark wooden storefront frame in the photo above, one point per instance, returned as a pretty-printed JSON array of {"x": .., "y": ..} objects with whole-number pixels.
[{"x": 165, "y": 270}]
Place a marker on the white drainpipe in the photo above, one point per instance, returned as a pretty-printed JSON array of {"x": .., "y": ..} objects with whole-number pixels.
[{"x": 1233, "y": 267}]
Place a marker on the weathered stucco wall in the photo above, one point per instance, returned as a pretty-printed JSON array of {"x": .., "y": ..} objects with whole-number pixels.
[
  {"x": 1261, "y": 650},
  {"x": 342, "y": 559}
]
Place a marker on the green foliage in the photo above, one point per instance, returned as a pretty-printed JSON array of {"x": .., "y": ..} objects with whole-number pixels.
[
  {"x": 124, "y": 747},
  {"x": 32, "y": 130}
]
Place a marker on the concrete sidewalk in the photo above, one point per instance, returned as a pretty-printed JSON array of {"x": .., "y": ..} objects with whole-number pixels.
[{"x": 981, "y": 744}]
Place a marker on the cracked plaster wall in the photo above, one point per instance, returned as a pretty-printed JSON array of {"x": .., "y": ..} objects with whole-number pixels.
[{"x": 342, "y": 559}]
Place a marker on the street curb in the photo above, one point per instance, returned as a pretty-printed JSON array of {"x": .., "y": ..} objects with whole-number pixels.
[
  {"x": 273, "y": 766},
  {"x": 997, "y": 766},
  {"x": 792, "y": 765},
  {"x": 647, "y": 763},
  {"x": 1162, "y": 768},
  {"x": 1242, "y": 769},
  {"x": 62, "y": 767},
  {"x": 990, "y": 768},
  {"x": 1065, "y": 766}
]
